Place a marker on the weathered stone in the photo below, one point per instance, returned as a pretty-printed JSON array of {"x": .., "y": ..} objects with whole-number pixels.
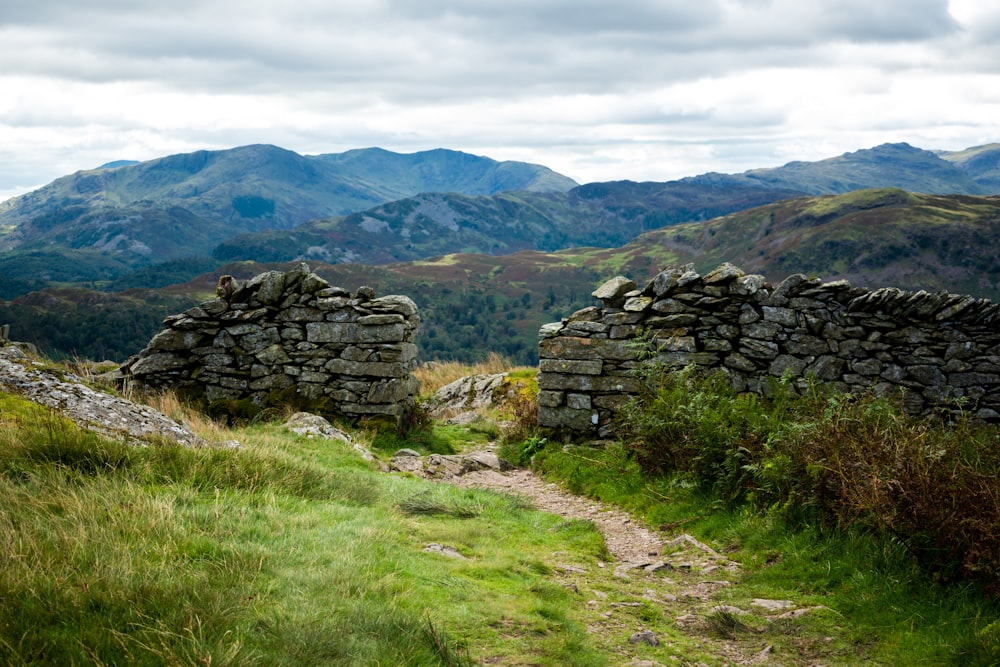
[
  {"x": 398, "y": 352},
  {"x": 394, "y": 303},
  {"x": 578, "y": 401},
  {"x": 748, "y": 314},
  {"x": 588, "y": 314},
  {"x": 349, "y": 332},
  {"x": 738, "y": 362},
  {"x": 725, "y": 273},
  {"x": 566, "y": 418},
  {"x": 787, "y": 364},
  {"x": 871, "y": 367},
  {"x": 667, "y": 280},
  {"x": 612, "y": 293},
  {"x": 171, "y": 339},
  {"x": 758, "y": 349},
  {"x": 717, "y": 345},
  {"x": 620, "y": 319},
  {"x": 783, "y": 316},
  {"x": 588, "y": 327},
  {"x": 826, "y": 367},
  {"x": 638, "y": 304},
  {"x": 550, "y": 399},
  {"x": 551, "y": 329},
  {"x": 256, "y": 349},
  {"x": 375, "y": 320},
  {"x": 587, "y": 383},
  {"x": 747, "y": 285},
  {"x": 579, "y": 367},
  {"x": 274, "y": 354},
  {"x": 157, "y": 363},
  {"x": 786, "y": 288},
  {"x": 622, "y": 332},
  {"x": 368, "y": 368},
  {"x": 762, "y": 330},
  {"x": 214, "y": 307},
  {"x": 332, "y": 304},
  {"x": 299, "y": 314}
]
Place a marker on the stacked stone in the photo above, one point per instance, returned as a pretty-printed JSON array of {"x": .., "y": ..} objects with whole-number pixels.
[
  {"x": 942, "y": 349},
  {"x": 290, "y": 330}
]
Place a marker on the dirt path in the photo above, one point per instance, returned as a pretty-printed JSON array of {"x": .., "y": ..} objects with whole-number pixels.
[
  {"x": 679, "y": 575},
  {"x": 627, "y": 540}
]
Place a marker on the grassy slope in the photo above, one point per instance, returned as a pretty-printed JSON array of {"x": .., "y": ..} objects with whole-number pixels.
[
  {"x": 290, "y": 551},
  {"x": 871, "y": 237}
]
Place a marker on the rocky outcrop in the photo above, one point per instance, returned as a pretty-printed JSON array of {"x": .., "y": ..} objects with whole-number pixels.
[
  {"x": 466, "y": 394},
  {"x": 108, "y": 415},
  {"x": 939, "y": 350},
  {"x": 290, "y": 337}
]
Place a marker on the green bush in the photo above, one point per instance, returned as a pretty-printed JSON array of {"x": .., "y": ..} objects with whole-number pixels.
[{"x": 838, "y": 459}]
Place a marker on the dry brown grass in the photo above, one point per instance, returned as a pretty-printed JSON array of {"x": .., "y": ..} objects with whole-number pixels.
[
  {"x": 435, "y": 374},
  {"x": 169, "y": 404}
]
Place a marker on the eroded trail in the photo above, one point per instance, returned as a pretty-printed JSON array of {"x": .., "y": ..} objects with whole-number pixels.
[{"x": 677, "y": 575}]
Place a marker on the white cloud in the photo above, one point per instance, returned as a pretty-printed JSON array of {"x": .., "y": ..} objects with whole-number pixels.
[{"x": 640, "y": 89}]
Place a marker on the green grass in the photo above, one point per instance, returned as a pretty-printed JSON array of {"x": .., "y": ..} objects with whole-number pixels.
[
  {"x": 289, "y": 551},
  {"x": 702, "y": 461}
]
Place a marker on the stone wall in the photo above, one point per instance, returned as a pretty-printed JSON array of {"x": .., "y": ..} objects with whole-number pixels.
[
  {"x": 939, "y": 348},
  {"x": 283, "y": 335}
]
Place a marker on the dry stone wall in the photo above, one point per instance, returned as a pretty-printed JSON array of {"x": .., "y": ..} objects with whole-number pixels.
[
  {"x": 941, "y": 349},
  {"x": 282, "y": 335}
]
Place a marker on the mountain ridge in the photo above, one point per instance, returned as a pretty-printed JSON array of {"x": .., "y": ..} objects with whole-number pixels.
[{"x": 129, "y": 208}]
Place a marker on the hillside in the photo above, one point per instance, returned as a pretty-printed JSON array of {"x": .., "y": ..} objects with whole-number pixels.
[
  {"x": 183, "y": 205},
  {"x": 265, "y": 203},
  {"x": 872, "y": 238},
  {"x": 475, "y": 303},
  {"x": 597, "y": 214},
  {"x": 886, "y": 166},
  {"x": 981, "y": 163}
]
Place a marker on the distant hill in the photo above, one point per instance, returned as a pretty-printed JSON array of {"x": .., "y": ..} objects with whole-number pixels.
[
  {"x": 875, "y": 238},
  {"x": 603, "y": 214},
  {"x": 886, "y": 166},
  {"x": 186, "y": 204},
  {"x": 475, "y": 303},
  {"x": 981, "y": 163},
  {"x": 598, "y": 214}
]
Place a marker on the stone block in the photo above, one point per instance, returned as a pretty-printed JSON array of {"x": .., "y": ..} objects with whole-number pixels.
[
  {"x": 566, "y": 418},
  {"x": 573, "y": 366},
  {"x": 158, "y": 362},
  {"x": 367, "y": 368},
  {"x": 785, "y": 317},
  {"x": 550, "y": 399},
  {"x": 353, "y": 332}
]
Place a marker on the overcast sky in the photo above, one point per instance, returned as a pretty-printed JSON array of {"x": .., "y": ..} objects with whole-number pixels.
[{"x": 595, "y": 89}]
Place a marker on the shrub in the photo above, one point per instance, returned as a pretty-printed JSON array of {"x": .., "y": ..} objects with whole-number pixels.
[{"x": 837, "y": 459}]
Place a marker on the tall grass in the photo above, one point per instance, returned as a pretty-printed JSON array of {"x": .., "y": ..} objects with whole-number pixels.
[
  {"x": 287, "y": 551},
  {"x": 436, "y": 374},
  {"x": 843, "y": 460}
]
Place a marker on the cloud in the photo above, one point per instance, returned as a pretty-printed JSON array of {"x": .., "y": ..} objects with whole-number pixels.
[{"x": 644, "y": 89}]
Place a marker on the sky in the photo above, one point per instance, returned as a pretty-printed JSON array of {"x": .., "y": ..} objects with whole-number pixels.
[{"x": 647, "y": 90}]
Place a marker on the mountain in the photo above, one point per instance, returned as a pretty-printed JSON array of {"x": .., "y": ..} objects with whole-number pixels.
[
  {"x": 874, "y": 238},
  {"x": 886, "y": 166},
  {"x": 184, "y": 205},
  {"x": 603, "y": 214},
  {"x": 397, "y": 176},
  {"x": 981, "y": 163},
  {"x": 598, "y": 214},
  {"x": 474, "y": 303}
]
